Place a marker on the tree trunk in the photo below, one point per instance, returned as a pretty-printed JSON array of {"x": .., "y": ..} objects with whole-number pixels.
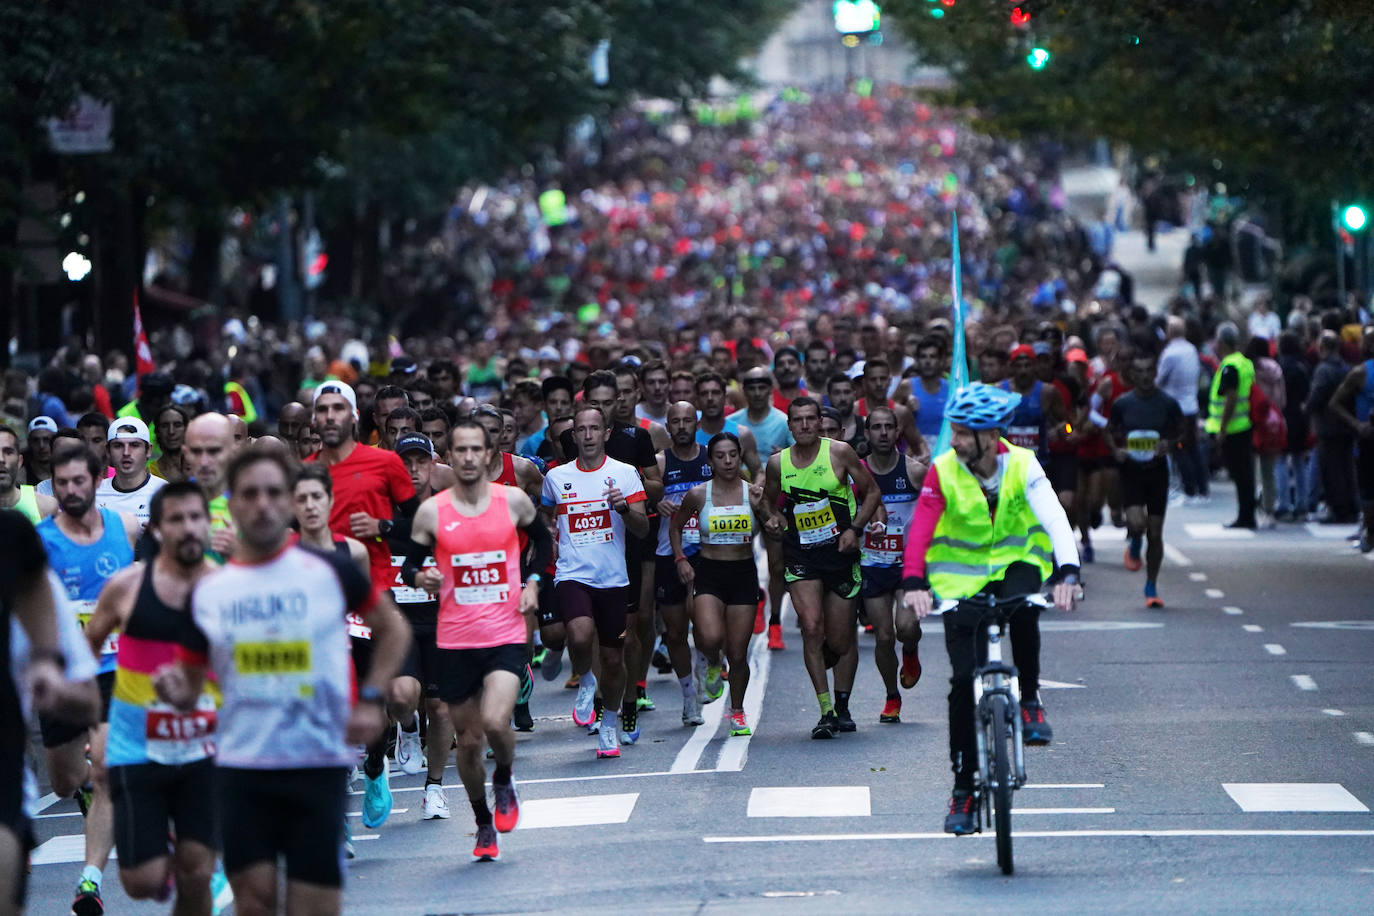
[{"x": 202, "y": 273}]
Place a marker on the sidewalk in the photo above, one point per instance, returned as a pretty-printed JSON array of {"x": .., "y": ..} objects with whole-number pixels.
[{"x": 1157, "y": 274}]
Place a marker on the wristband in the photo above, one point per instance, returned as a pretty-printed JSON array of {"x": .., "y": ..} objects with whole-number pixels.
[
  {"x": 536, "y": 577},
  {"x": 679, "y": 558},
  {"x": 371, "y": 694}
]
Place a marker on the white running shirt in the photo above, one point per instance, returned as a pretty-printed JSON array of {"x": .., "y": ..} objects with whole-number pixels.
[
  {"x": 591, "y": 535},
  {"x": 137, "y": 503}
]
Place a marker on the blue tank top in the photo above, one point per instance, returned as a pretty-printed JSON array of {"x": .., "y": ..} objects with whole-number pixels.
[
  {"x": 930, "y": 408},
  {"x": 770, "y": 433},
  {"x": 730, "y": 425},
  {"x": 84, "y": 569},
  {"x": 679, "y": 477},
  {"x": 899, "y": 499},
  {"x": 1364, "y": 398},
  {"x": 1028, "y": 426}
]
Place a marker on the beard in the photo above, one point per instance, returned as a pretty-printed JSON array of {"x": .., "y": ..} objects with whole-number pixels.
[{"x": 77, "y": 505}]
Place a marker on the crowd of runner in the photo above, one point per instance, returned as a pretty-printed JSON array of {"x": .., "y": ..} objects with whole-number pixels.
[{"x": 712, "y": 377}]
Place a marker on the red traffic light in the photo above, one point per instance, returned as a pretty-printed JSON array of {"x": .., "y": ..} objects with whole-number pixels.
[{"x": 1020, "y": 18}]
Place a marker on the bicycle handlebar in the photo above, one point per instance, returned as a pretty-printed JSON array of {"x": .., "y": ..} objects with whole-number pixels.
[{"x": 986, "y": 602}]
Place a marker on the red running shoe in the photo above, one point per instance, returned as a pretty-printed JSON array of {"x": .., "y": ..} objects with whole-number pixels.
[
  {"x": 775, "y": 637},
  {"x": 911, "y": 669}
]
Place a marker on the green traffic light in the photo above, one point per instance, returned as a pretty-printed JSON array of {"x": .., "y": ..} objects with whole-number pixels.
[
  {"x": 1354, "y": 217},
  {"x": 1038, "y": 58}
]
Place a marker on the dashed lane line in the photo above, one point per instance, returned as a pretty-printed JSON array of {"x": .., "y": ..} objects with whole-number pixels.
[
  {"x": 1274, "y": 648},
  {"x": 1303, "y": 682}
]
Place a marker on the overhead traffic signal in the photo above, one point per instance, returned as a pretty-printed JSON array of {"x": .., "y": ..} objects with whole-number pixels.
[
  {"x": 1020, "y": 18},
  {"x": 1038, "y": 58}
]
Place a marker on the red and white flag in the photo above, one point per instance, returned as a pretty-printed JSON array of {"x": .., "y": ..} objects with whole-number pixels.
[{"x": 142, "y": 351}]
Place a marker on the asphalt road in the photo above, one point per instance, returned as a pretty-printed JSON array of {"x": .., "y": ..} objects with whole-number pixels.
[{"x": 1215, "y": 756}]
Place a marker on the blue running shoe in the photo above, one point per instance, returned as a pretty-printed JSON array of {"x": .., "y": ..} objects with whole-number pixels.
[{"x": 377, "y": 800}]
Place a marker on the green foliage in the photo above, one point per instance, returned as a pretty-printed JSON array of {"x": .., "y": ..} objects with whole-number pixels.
[{"x": 1274, "y": 89}]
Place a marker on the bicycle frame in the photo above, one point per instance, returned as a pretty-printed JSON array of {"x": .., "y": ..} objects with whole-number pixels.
[{"x": 995, "y": 677}]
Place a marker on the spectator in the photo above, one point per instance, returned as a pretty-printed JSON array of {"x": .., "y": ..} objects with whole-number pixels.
[
  {"x": 1228, "y": 420},
  {"x": 1263, "y": 323},
  {"x": 1292, "y": 470},
  {"x": 1335, "y": 439},
  {"x": 1177, "y": 376},
  {"x": 1269, "y": 380}
]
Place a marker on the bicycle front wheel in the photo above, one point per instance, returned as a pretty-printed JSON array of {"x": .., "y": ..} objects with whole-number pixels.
[{"x": 1000, "y": 737}]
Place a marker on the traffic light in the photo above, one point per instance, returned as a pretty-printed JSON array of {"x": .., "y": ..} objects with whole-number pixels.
[
  {"x": 1020, "y": 18},
  {"x": 1038, "y": 58},
  {"x": 857, "y": 17},
  {"x": 1354, "y": 217}
]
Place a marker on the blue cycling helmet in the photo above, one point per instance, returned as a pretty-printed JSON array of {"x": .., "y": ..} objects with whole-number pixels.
[{"x": 980, "y": 406}]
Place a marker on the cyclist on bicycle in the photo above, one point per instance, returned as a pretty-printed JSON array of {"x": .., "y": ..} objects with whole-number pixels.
[{"x": 987, "y": 521}]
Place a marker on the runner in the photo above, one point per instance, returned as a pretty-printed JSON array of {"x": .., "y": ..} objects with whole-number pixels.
[
  {"x": 822, "y": 526},
  {"x": 598, "y": 503},
  {"x": 28, "y": 598},
  {"x": 898, "y": 478},
  {"x": 131, "y": 490},
  {"x": 208, "y": 448},
  {"x": 471, "y": 530},
  {"x": 722, "y": 577},
  {"x": 170, "y": 430},
  {"x": 877, "y": 378},
  {"x": 771, "y": 435},
  {"x": 987, "y": 519},
  {"x": 1146, "y": 425},
  {"x": 269, "y": 628},
  {"x": 15, "y": 495},
  {"x": 38, "y": 458},
  {"x": 371, "y": 490},
  {"x": 160, "y": 761},
  {"x": 710, "y": 400},
  {"x": 683, "y": 466},
  {"x": 503, "y": 467},
  {"x": 653, "y": 382},
  {"x": 840, "y": 393},
  {"x": 419, "y": 673},
  {"x": 787, "y": 371},
  {"x": 930, "y": 387},
  {"x": 86, "y": 545},
  {"x": 1353, "y": 403}
]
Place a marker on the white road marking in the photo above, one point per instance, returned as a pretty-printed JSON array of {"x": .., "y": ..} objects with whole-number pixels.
[
  {"x": 1252, "y": 628},
  {"x": 1303, "y": 682},
  {"x": 691, "y": 752},
  {"x": 555, "y": 779},
  {"x": 1327, "y": 532},
  {"x": 578, "y": 811},
  {"x": 1336, "y": 625},
  {"x": 1364, "y": 738},
  {"x": 1015, "y": 810},
  {"x": 1274, "y": 648},
  {"x": 1197, "y": 576},
  {"x": 1334, "y": 712},
  {"x": 1215, "y": 531},
  {"x": 367, "y": 836},
  {"x": 47, "y": 801},
  {"x": 393, "y": 811},
  {"x": 1032, "y": 835},
  {"x": 1050, "y": 685},
  {"x": 1214, "y": 593},
  {"x": 1083, "y": 626},
  {"x": 61, "y": 850},
  {"x": 1233, "y": 611},
  {"x": 1292, "y": 797},
  {"x": 809, "y": 801},
  {"x": 1064, "y": 785},
  {"x": 1177, "y": 557}
]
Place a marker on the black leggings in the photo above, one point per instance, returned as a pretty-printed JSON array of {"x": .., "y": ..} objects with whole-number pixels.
[{"x": 967, "y": 648}]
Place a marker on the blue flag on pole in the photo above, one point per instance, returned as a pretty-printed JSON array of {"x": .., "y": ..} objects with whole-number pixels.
[{"x": 958, "y": 373}]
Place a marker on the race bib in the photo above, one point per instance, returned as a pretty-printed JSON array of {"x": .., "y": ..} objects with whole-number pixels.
[
  {"x": 84, "y": 611},
  {"x": 1024, "y": 436},
  {"x": 691, "y": 531},
  {"x": 402, "y": 593},
  {"x": 356, "y": 627},
  {"x": 480, "y": 578},
  {"x": 730, "y": 527},
  {"x": 815, "y": 522},
  {"x": 883, "y": 548},
  {"x": 254, "y": 659},
  {"x": 590, "y": 523},
  {"x": 176, "y": 737},
  {"x": 1141, "y": 443}
]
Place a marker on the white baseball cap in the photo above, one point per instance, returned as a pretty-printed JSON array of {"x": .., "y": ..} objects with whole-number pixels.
[
  {"x": 129, "y": 428},
  {"x": 342, "y": 389},
  {"x": 47, "y": 423}
]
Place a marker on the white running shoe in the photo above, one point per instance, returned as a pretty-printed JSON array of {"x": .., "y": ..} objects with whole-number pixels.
[
  {"x": 436, "y": 805},
  {"x": 584, "y": 707},
  {"x": 607, "y": 740},
  {"x": 691, "y": 709},
  {"x": 409, "y": 756}
]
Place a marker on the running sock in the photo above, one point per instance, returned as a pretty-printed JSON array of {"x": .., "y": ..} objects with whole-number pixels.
[
  {"x": 431, "y": 781},
  {"x": 374, "y": 765},
  {"x": 1134, "y": 547},
  {"x": 629, "y": 709},
  {"x": 827, "y": 707},
  {"x": 689, "y": 686},
  {"x": 1150, "y": 590},
  {"x": 501, "y": 774},
  {"x": 641, "y": 686},
  {"x": 842, "y": 700},
  {"x": 480, "y": 812},
  {"x": 894, "y": 696},
  {"x": 92, "y": 874}
]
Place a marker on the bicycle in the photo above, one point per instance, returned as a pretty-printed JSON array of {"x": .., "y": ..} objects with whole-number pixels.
[{"x": 997, "y": 716}]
